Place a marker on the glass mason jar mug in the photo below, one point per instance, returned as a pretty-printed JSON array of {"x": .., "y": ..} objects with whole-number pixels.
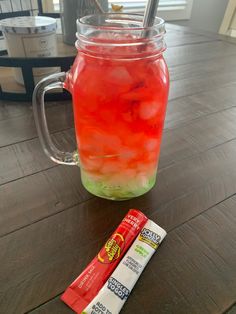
[{"x": 119, "y": 84}]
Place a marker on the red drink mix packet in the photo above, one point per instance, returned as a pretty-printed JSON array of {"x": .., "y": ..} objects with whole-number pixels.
[{"x": 81, "y": 292}]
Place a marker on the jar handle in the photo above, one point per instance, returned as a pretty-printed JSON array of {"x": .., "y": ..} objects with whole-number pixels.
[{"x": 51, "y": 82}]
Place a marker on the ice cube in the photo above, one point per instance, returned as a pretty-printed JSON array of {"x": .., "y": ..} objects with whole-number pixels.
[
  {"x": 152, "y": 144},
  {"x": 148, "y": 168},
  {"x": 98, "y": 143},
  {"x": 106, "y": 139},
  {"x": 110, "y": 167},
  {"x": 134, "y": 140},
  {"x": 127, "y": 153},
  {"x": 91, "y": 164},
  {"x": 119, "y": 75},
  {"x": 142, "y": 180},
  {"x": 129, "y": 174},
  {"x": 117, "y": 180},
  {"x": 148, "y": 110},
  {"x": 152, "y": 157}
]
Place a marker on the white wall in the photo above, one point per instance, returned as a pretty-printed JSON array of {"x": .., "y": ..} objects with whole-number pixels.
[{"x": 206, "y": 15}]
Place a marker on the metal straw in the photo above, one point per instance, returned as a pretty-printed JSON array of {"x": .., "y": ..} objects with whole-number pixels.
[
  {"x": 98, "y": 6},
  {"x": 150, "y": 13}
]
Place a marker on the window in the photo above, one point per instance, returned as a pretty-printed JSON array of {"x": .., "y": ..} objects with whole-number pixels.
[
  {"x": 7, "y": 6},
  {"x": 168, "y": 9}
]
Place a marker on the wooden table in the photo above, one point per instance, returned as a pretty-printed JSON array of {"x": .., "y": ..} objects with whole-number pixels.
[{"x": 51, "y": 227}]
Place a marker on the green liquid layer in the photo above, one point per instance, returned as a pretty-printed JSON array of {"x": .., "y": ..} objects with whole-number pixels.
[{"x": 131, "y": 189}]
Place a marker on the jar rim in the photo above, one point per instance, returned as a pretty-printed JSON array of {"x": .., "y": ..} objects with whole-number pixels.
[
  {"x": 99, "y": 35},
  {"x": 106, "y": 21}
]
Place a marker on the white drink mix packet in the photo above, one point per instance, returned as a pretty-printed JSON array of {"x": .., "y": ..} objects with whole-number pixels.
[{"x": 116, "y": 290}]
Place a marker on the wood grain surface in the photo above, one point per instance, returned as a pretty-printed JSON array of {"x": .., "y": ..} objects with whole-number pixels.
[{"x": 50, "y": 227}]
